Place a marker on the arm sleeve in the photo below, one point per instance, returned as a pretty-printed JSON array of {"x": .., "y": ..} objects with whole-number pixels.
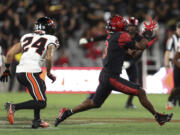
[
  {"x": 99, "y": 38},
  {"x": 21, "y": 40},
  {"x": 54, "y": 41}
]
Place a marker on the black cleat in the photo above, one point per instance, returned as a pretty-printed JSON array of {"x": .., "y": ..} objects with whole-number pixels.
[
  {"x": 39, "y": 123},
  {"x": 163, "y": 118},
  {"x": 11, "y": 110},
  {"x": 64, "y": 113}
]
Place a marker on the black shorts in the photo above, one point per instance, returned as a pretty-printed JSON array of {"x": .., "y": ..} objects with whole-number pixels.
[
  {"x": 109, "y": 82},
  {"x": 34, "y": 84}
]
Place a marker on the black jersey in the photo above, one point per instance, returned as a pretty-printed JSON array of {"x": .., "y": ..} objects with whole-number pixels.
[{"x": 115, "y": 51}]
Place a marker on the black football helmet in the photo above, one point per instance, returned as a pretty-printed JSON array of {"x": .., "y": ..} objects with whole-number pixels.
[{"x": 45, "y": 24}]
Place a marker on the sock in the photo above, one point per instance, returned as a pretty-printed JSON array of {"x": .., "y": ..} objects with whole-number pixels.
[
  {"x": 31, "y": 104},
  {"x": 36, "y": 114}
]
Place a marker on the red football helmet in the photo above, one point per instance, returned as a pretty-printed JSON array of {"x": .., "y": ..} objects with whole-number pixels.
[
  {"x": 133, "y": 21},
  {"x": 116, "y": 23}
]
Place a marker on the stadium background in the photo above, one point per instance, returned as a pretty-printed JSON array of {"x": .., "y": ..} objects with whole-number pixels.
[{"x": 79, "y": 18}]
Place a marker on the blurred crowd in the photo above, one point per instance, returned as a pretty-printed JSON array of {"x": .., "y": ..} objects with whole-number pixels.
[{"x": 81, "y": 18}]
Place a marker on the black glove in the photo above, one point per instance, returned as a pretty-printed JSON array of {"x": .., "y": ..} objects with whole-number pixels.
[
  {"x": 148, "y": 34},
  {"x": 52, "y": 77},
  {"x": 4, "y": 77}
]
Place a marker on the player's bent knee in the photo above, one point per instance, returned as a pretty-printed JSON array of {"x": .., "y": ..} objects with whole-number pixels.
[
  {"x": 41, "y": 104},
  {"x": 92, "y": 104},
  {"x": 142, "y": 92}
]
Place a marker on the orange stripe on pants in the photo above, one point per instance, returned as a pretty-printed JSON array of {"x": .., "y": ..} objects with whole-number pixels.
[{"x": 35, "y": 86}]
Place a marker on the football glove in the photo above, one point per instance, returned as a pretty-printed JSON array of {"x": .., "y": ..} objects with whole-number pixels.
[
  {"x": 52, "y": 77},
  {"x": 83, "y": 41},
  {"x": 149, "y": 29},
  {"x": 4, "y": 77},
  {"x": 151, "y": 26}
]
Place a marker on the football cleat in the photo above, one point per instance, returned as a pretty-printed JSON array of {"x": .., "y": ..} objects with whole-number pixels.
[
  {"x": 11, "y": 110},
  {"x": 39, "y": 123},
  {"x": 64, "y": 113},
  {"x": 163, "y": 118}
]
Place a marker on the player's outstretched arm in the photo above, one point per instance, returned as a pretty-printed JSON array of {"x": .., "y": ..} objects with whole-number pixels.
[
  {"x": 84, "y": 41},
  {"x": 14, "y": 50},
  {"x": 166, "y": 60},
  {"x": 49, "y": 57}
]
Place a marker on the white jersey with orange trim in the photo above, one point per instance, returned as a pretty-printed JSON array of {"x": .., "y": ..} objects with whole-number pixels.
[{"x": 34, "y": 51}]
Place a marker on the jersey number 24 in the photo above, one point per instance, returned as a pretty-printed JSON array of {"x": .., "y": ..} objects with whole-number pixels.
[{"x": 39, "y": 44}]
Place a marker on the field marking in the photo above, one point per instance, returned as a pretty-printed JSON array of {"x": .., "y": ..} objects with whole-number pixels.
[{"x": 83, "y": 121}]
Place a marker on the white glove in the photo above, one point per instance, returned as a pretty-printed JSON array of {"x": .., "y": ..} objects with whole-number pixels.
[
  {"x": 126, "y": 65},
  {"x": 83, "y": 41}
]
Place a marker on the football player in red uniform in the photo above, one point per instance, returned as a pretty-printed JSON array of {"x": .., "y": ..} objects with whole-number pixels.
[{"x": 117, "y": 45}]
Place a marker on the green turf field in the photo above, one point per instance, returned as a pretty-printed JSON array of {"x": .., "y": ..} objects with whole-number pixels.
[{"x": 111, "y": 119}]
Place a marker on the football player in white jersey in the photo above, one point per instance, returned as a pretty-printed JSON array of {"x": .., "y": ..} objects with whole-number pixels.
[
  {"x": 36, "y": 48},
  {"x": 172, "y": 47}
]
